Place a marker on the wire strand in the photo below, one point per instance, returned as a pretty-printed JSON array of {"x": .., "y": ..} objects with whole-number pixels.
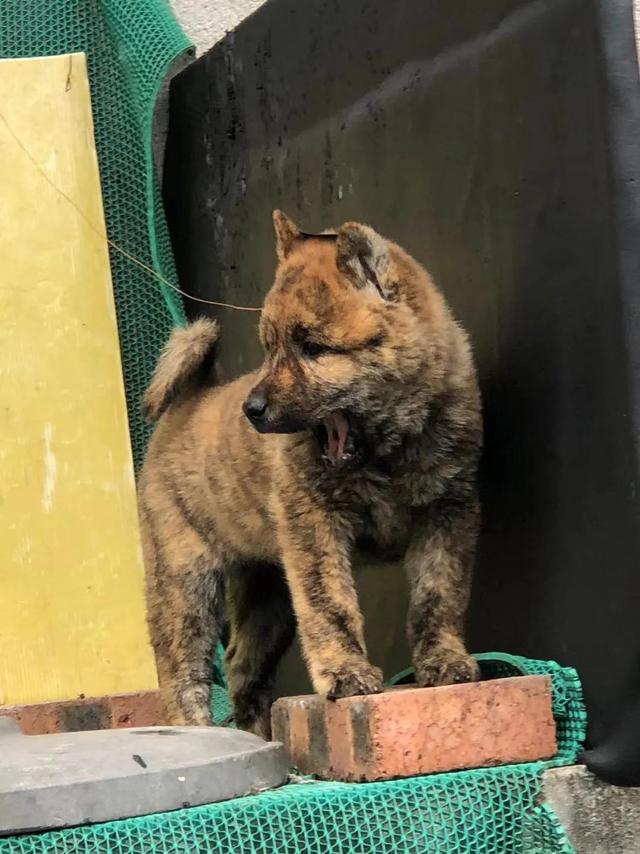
[{"x": 104, "y": 236}]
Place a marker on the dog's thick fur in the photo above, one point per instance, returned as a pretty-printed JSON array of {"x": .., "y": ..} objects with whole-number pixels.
[{"x": 368, "y": 427}]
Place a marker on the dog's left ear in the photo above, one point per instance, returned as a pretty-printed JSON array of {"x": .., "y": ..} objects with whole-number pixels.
[{"x": 363, "y": 256}]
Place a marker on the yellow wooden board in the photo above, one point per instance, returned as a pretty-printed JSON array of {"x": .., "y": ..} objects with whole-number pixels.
[{"x": 71, "y": 576}]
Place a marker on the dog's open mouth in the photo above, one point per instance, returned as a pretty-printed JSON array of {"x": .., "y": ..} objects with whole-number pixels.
[{"x": 337, "y": 438}]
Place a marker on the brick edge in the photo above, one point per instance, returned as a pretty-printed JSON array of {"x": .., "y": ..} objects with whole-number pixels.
[
  {"x": 340, "y": 740},
  {"x": 116, "y": 711}
]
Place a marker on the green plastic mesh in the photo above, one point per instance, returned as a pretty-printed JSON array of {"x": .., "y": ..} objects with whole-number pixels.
[
  {"x": 543, "y": 833},
  {"x": 130, "y": 45},
  {"x": 485, "y": 811},
  {"x": 221, "y": 710}
]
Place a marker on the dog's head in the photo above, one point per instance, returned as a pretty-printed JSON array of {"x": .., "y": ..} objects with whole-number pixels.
[{"x": 345, "y": 350}]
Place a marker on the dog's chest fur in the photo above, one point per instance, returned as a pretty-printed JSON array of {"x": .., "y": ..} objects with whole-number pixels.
[{"x": 381, "y": 497}]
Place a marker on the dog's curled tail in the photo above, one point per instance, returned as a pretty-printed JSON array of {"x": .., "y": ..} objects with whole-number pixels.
[{"x": 187, "y": 359}]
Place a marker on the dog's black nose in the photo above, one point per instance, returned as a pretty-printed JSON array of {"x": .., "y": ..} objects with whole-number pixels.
[{"x": 255, "y": 406}]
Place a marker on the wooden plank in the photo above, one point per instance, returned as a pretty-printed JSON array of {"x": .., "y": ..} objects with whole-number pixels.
[{"x": 71, "y": 595}]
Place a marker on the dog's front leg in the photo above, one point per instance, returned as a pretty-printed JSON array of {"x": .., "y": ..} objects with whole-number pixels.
[
  {"x": 439, "y": 565},
  {"x": 316, "y": 555}
]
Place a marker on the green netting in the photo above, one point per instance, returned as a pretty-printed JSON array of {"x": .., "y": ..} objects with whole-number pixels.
[
  {"x": 486, "y": 811},
  {"x": 543, "y": 833},
  {"x": 221, "y": 709},
  {"x": 130, "y": 45}
]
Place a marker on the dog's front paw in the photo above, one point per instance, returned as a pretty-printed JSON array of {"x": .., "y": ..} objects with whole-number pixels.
[
  {"x": 354, "y": 679},
  {"x": 446, "y": 667}
]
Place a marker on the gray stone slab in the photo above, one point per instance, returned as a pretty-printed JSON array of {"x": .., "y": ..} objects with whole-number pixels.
[
  {"x": 598, "y": 818},
  {"x": 49, "y": 781}
]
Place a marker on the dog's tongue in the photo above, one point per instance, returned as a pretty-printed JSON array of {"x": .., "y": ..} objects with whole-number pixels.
[{"x": 337, "y": 428}]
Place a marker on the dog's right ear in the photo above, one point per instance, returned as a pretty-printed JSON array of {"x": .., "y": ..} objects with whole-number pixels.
[
  {"x": 362, "y": 255},
  {"x": 287, "y": 232}
]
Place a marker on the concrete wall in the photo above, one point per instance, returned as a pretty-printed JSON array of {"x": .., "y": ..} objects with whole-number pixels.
[
  {"x": 598, "y": 818},
  {"x": 206, "y": 21}
]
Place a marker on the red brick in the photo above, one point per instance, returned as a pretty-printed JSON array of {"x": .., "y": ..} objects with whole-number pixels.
[
  {"x": 409, "y": 731},
  {"x": 135, "y": 710},
  {"x": 88, "y": 713}
]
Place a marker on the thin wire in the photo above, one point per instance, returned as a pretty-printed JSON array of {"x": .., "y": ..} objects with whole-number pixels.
[{"x": 104, "y": 236}]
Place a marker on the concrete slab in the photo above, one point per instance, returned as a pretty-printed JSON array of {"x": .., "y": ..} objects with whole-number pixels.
[
  {"x": 598, "y": 818},
  {"x": 66, "y": 779}
]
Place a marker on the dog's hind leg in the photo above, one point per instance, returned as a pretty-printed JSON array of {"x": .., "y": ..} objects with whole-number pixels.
[
  {"x": 185, "y": 599},
  {"x": 262, "y": 627}
]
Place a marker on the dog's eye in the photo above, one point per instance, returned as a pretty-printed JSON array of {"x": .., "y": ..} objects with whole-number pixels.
[{"x": 313, "y": 349}]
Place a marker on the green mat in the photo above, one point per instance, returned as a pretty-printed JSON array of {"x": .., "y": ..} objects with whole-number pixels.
[
  {"x": 130, "y": 44},
  {"x": 486, "y": 811}
]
